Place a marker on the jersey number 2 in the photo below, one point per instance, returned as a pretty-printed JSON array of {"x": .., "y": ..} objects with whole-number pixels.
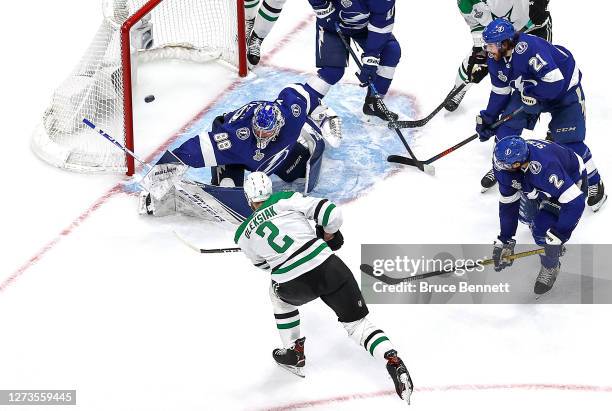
[{"x": 273, "y": 233}]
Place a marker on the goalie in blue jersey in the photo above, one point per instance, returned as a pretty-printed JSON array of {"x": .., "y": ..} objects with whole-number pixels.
[
  {"x": 285, "y": 137},
  {"x": 529, "y": 72}
]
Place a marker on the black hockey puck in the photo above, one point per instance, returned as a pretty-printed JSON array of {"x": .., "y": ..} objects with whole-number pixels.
[{"x": 149, "y": 98}]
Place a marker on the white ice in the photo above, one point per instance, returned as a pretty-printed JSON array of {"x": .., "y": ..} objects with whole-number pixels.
[{"x": 98, "y": 299}]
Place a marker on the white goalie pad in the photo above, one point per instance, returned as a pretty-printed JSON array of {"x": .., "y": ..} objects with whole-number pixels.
[
  {"x": 329, "y": 123},
  {"x": 161, "y": 178},
  {"x": 189, "y": 198}
]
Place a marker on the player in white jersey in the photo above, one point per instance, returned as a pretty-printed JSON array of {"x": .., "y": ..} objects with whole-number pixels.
[
  {"x": 278, "y": 238},
  {"x": 529, "y": 16},
  {"x": 260, "y": 21}
]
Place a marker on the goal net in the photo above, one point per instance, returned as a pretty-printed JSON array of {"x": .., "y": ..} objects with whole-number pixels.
[{"x": 100, "y": 87}]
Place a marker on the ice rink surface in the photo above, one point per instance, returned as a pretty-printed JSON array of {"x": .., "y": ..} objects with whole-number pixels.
[{"x": 95, "y": 298}]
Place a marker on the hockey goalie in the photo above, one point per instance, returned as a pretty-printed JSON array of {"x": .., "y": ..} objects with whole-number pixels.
[{"x": 285, "y": 137}]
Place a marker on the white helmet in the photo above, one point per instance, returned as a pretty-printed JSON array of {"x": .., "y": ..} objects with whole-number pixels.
[{"x": 257, "y": 187}]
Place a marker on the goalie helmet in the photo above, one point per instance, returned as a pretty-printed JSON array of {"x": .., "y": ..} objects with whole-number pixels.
[
  {"x": 257, "y": 187},
  {"x": 267, "y": 123},
  {"x": 510, "y": 152}
]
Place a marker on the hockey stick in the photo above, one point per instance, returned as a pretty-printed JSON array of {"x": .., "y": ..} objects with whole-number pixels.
[
  {"x": 393, "y": 158},
  {"x": 207, "y": 250},
  {"x": 115, "y": 142},
  {"x": 421, "y": 166},
  {"x": 420, "y": 123},
  {"x": 369, "y": 270}
]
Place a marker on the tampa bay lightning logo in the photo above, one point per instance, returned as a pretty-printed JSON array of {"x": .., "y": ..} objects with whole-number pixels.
[
  {"x": 346, "y": 3},
  {"x": 502, "y": 76},
  {"x": 535, "y": 167},
  {"x": 243, "y": 133},
  {"x": 521, "y": 47},
  {"x": 273, "y": 162},
  {"x": 296, "y": 110}
]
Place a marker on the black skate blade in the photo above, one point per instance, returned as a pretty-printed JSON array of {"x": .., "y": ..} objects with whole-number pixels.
[
  {"x": 299, "y": 371},
  {"x": 595, "y": 208}
]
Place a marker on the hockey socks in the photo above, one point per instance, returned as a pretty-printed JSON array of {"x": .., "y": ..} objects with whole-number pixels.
[{"x": 373, "y": 340}]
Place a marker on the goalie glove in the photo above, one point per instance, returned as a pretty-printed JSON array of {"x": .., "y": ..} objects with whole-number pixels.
[
  {"x": 335, "y": 242},
  {"x": 329, "y": 123}
]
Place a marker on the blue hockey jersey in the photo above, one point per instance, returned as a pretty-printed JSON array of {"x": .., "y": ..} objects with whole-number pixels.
[
  {"x": 374, "y": 17},
  {"x": 550, "y": 68},
  {"x": 231, "y": 139},
  {"x": 555, "y": 173}
]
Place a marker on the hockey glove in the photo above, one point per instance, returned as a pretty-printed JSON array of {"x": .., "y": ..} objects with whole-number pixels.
[
  {"x": 335, "y": 242},
  {"x": 501, "y": 250},
  {"x": 327, "y": 15},
  {"x": 483, "y": 126},
  {"x": 530, "y": 102},
  {"x": 368, "y": 70},
  {"x": 477, "y": 67}
]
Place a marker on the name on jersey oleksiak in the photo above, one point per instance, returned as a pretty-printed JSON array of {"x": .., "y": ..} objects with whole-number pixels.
[{"x": 261, "y": 216}]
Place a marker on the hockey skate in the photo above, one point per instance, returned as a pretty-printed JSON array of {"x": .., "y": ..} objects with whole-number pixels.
[
  {"x": 454, "y": 102},
  {"x": 292, "y": 359},
  {"x": 546, "y": 279},
  {"x": 254, "y": 49},
  {"x": 488, "y": 181},
  {"x": 597, "y": 197},
  {"x": 400, "y": 376},
  {"x": 372, "y": 108}
]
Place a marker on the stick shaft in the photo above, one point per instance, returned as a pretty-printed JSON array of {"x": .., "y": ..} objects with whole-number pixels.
[
  {"x": 377, "y": 96},
  {"x": 115, "y": 142}
]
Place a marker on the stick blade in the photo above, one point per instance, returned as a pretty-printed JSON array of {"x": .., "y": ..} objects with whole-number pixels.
[
  {"x": 427, "y": 168},
  {"x": 395, "y": 125}
]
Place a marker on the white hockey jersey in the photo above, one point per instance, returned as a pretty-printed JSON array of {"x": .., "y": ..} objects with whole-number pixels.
[
  {"x": 279, "y": 238},
  {"x": 479, "y": 13}
]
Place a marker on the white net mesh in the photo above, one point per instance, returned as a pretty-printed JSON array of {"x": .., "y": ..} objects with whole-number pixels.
[{"x": 195, "y": 30}]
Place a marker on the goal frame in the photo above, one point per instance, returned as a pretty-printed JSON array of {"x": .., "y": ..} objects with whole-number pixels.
[{"x": 126, "y": 62}]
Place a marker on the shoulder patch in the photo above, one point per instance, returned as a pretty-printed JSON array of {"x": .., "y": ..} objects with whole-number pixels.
[
  {"x": 521, "y": 47},
  {"x": 296, "y": 110},
  {"x": 535, "y": 167},
  {"x": 243, "y": 133}
]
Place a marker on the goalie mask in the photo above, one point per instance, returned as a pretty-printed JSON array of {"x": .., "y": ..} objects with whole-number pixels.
[
  {"x": 267, "y": 123},
  {"x": 257, "y": 187}
]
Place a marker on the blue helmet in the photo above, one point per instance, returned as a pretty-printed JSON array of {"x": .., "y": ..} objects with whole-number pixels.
[
  {"x": 267, "y": 122},
  {"x": 497, "y": 31},
  {"x": 509, "y": 151}
]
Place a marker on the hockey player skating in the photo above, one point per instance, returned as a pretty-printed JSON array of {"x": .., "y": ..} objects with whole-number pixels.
[
  {"x": 284, "y": 137},
  {"x": 370, "y": 24},
  {"x": 279, "y": 239},
  {"x": 259, "y": 20},
  {"x": 529, "y": 16},
  {"x": 531, "y": 73},
  {"x": 542, "y": 184}
]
